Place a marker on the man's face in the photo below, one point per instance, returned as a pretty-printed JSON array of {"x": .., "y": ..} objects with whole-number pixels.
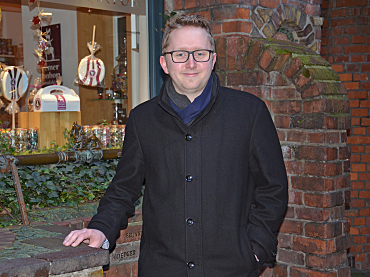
[{"x": 191, "y": 77}]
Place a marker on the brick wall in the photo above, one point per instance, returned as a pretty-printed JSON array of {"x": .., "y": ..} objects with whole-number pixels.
[
  {"x": 346, "y": 39},
  {"x": 310, "y": 109}
]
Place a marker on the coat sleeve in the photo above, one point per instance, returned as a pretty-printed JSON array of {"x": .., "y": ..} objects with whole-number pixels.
[
  {"x": 270, "y": 197},
  {"x": 117, "y": 205}
]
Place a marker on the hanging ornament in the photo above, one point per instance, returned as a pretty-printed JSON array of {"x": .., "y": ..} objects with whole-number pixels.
[
  {"x": 36, "y": 20},
  {"x": 43, "y": 44},
  {"x": 14, "y": 81},
  {"x": 41, "y": 63},
  {"x": 91, "y": 70}
]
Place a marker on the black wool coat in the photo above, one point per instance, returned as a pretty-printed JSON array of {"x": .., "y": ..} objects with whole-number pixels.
[{"x": 215, "y": 191}]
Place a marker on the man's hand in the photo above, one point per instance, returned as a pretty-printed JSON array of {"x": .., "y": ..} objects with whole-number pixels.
[{"x": 94, "y": 238}]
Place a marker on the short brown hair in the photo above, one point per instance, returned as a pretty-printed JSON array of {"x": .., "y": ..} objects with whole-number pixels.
[{"x": 179, "y": 21}]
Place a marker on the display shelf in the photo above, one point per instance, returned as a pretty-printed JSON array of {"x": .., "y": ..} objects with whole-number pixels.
[{"x": 110, "y": 99}]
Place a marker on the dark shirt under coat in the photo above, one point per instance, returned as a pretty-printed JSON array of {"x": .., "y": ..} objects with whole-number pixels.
[{"x": 201, "y": 182}]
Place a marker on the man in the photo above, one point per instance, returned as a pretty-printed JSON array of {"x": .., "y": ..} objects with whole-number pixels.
[{"x": 215, "y": 181}]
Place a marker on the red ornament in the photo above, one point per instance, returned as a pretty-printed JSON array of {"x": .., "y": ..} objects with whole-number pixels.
[
  {"x": 36, "y": 20},
  {"x": 43, "y": 44},
  {"x": 41, "y": 62}
]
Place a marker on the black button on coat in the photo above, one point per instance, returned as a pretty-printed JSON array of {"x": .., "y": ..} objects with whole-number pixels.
[{"x": 234, "y": 158}]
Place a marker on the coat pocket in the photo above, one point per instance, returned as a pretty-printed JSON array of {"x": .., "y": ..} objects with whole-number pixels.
[{"x": 247, "y": 252}]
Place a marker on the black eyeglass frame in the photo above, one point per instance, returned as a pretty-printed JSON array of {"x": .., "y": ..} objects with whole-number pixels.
[{"x": 190, "y": 53}]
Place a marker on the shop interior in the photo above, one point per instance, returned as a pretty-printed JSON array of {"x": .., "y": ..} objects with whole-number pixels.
[{"x": 119, "y": 27}]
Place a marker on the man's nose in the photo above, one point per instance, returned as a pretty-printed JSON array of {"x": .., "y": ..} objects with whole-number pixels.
[{"x": 191, "y": 63}]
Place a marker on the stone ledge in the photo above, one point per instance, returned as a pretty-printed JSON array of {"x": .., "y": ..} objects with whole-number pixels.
[{"x": 38, "y": 251}]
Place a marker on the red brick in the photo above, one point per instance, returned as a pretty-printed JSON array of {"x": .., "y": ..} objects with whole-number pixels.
[
  {"x": 352, "y": 85},
  {"x": 295, "y": 198},
  {"x": 341, "y": 22},
  {"x": 364, "y": 176},
  {"x": 296, "y": 135},
  {"x": 323, "y": 230},
  {"x": 358, "y": 203},
  {"x": 345, "y": 77},
  {"x": 313, "y": 246},
  {"x": 358, "y": 39},
  {"x": 269, "y": 3},
  {"x": 288, "y": 256},
  {"x": 364, "y": 212},
  {"x": 358, "y": 167},
  {"x": 190, "y": 4},
  {"x": 324, "y": 262},
  {"x": 358, "y": 58},
  {"x": 230, "y": 13},
  {"x": 318, "y": 153},
  {"x": 341, "y": 58},
  {"x": 308, "y": 183},
  {"x": 284, "y": 240},
  {"x": 357, "y": 49},
  {"x": 335, "y": 50},
  {"x": 359, "y": 112},
  {"x": 132, "y": 233},
  {"x": 294, "y": 167},
  {"x": 292, "y": 227},
  {"x": 316, "y": 137},
  {"x": 302, "y": 272},
  {"x": 364, "y": 194},
  {"x": 365, "y": 231},
  {"x": 350, "y": 30},
  {"x": 206, "y": 3},
  {"x": 323, "y": 200},
  {"x": 313, "y": 214},
  {"x": 365, "y": 67},
  {"x": 237, "y": 27},
  {"x": 360, "y": 77},
  {"x": 358, "y": 239},
  {"x": 286, "y": 107},
  {"x": 284, "y": 93},
  {"x": 342, "y": 182},
  {"x": 118, "y": 270},
  {"x": 338, "y": 13},
  {"x": 357, "y": 94},
  {"x": 337, "y": 67},
  {"x": 323, "y": 169},
  {"x": 358, "y": 221}
]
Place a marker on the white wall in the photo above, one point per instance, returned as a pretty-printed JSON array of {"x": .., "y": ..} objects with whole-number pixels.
[
  {"x": 140, "y": 86},
  {"x": 68, "y": 25},
  {"x": 11, "y": 27}
]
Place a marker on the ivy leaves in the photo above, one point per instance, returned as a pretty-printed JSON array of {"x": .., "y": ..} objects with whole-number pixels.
[{"x": 57, "y": 185}]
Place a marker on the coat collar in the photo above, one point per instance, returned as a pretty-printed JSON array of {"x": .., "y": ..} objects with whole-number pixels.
[{"x": 165, "y": 104}]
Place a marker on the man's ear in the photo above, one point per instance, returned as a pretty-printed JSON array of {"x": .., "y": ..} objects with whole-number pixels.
[
  {"x": 214, "y": 60},
  {"x": 162, "y": 61}
]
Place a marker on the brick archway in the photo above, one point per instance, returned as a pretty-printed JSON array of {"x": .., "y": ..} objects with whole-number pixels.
[
  {"x": 309, "y": 106},
  {"x": 290, "y": 20}
]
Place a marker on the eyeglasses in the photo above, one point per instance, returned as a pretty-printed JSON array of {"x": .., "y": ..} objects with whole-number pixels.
[{"x": 182, "y": 56}]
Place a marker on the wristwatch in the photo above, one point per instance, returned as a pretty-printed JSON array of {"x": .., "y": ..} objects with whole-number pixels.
[{"x": 105, "y": 244}]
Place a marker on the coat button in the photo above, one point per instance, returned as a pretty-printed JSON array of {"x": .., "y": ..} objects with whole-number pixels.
[
  {"x": 190, "y": 221},
  {"x": 191, "y": 265},
  {"x": 188, "y": 137},
  {"x": 189, "y": 178}
]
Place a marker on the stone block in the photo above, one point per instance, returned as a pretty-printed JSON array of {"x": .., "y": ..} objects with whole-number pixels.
[
  {"x": 75, "y": 259},
  {"x": 24, "y": 267}
]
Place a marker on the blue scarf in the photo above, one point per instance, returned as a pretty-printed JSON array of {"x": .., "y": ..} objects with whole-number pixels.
[{"x": 191, "y": 111}]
